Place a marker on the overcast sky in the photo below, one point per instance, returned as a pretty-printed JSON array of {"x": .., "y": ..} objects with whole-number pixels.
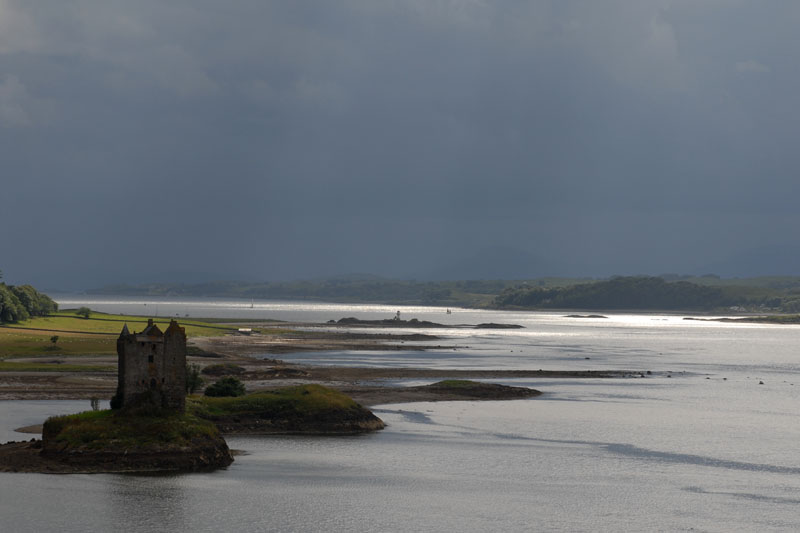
[{"x": 258, "y": 140}]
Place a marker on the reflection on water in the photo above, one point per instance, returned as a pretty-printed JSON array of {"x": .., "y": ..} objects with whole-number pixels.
[
  {"x": 645, "y": 454},
  {"x": 163, "y": 499}
]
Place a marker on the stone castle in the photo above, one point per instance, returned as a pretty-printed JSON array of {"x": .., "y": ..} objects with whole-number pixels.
[{"x": 152, "y": 366}]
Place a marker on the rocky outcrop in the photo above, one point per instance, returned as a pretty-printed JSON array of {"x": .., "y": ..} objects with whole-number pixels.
[
  {"x": 388, "y": 322},
  {"x": 325, "y": 422},
  {"x": 202, "y": 453},
  {"x": 34, "y": 456},
  {"x": 475, "y": 390}
]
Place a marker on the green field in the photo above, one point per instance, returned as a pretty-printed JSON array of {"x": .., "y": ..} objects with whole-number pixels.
[
  {"x": 44, "y": 366},
  {"x": 79, "y": 336}
]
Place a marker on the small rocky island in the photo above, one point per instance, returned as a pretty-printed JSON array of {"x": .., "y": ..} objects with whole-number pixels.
[
  {"x": 303, "y": 409},
  {"x": 147, "y": 428},
  {"x": 137, "y": 440}
]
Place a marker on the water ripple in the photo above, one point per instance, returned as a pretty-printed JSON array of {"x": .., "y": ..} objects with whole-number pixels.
[{"x": 744, "y": 495}]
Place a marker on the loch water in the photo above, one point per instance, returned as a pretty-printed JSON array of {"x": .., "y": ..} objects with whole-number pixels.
[{"x": 707, "y": 441}]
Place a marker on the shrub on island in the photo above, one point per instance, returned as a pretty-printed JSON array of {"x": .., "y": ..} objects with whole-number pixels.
[
  {"x": 227, "y": 386},
  {"x": 222, "y": 369}
]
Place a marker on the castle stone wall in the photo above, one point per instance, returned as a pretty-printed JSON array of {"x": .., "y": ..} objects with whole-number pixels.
[{"x": 153, "y": 364}]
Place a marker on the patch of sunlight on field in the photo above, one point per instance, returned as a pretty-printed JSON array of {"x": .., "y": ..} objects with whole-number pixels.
[
  {"x": 77, "y": 336},
  {"x": 107, "y": 323}
]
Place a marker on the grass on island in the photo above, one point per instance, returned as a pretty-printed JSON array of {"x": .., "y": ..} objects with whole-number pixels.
[
  {"x": 115, "y": 430},
  {"x": 298, "y": 401},
  {"x": 78, "y": 336}
]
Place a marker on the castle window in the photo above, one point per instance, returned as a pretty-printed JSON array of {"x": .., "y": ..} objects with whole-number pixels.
[
  {"x": 150, "y": 358},
  {"x": 153, "y": 383}
]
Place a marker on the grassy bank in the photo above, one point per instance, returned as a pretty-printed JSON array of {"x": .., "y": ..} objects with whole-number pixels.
[
  {"x": 309, "y": 409},
  {"x": 302, "y": 400}
]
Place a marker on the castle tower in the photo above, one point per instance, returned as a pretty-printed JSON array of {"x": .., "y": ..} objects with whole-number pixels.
[{"x": 152, "y": 363}]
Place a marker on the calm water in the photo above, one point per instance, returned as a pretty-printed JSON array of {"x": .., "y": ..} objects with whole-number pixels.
[{"x": 708, "y": 449}]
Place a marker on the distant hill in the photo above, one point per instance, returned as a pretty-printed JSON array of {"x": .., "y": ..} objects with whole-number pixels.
[
  {"x": 654, "y": 293},
  {"x": 354, "y": 288},
  {"x": 666, "y": 292}
]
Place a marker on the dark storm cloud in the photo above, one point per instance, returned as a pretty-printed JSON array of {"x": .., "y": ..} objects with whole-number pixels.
[{"x": 269, "y": 140}]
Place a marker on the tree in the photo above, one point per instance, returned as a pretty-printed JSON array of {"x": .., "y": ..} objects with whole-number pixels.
[
  {"x": 11, "y": 309},
  {"x": 54, "y": 339},
  {"x": 83, "y": 312},
  {"x": 22, "y": 302}
]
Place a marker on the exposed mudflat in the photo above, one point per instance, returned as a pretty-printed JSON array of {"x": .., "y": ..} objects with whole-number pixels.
[{"x": 292, "y": 341}]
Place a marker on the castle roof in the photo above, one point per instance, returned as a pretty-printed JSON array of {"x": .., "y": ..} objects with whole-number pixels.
[
  {"x": 151, "y": 330},
  {"x": 151, "y": 333}
]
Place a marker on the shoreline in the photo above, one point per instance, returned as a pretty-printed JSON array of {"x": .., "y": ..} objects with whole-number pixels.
[{"x": 265, "y": 375}]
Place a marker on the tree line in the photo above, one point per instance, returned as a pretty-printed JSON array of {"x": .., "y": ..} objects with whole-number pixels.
[{"x": 20, "y": 302}]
